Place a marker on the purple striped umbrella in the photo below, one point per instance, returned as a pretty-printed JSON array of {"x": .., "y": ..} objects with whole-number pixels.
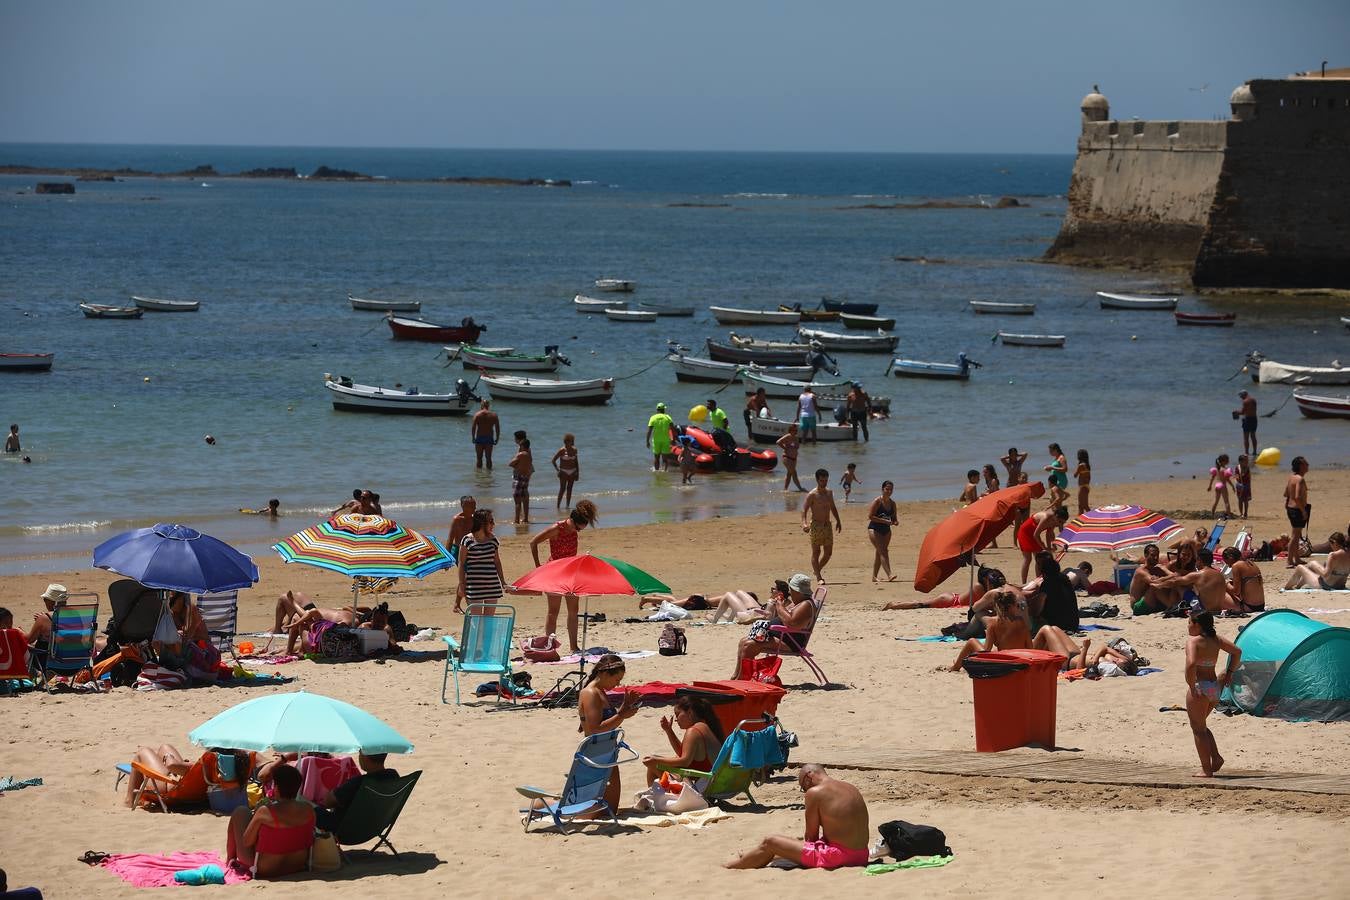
[{"x": 1115, "y": 528}]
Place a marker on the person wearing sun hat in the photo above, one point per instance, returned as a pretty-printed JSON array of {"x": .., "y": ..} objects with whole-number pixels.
[
  {"x": 660, "y": 433},
  {"x": 39, "y": 636},
  {"x": 792, "y": 608}
]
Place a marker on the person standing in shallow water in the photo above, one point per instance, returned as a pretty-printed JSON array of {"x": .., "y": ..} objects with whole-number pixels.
[
  {"x": 485, "y": 430},
  {"x": 567, "y": 463},
  {"x": 1204, "y": 687},
  {"x": 12, "y": 441},
  {"x": 1247, "y": 413}
]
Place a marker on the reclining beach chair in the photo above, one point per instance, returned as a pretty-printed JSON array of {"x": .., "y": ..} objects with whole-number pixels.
[
  {"x": 220, "y": 612},
  {"x": 794, "y": 641},
  {"x": 72, "y": 641},
  {"x": 729, "y": 779},
  {"x": 208, "y": 771},
  {"x": 135, "y": 611},
  {"x": 1212, "y": 545},
  {"x": 374, "y": 811},
  {"x": 487, "y": 645},
  {"x": 584, "y": 791}
]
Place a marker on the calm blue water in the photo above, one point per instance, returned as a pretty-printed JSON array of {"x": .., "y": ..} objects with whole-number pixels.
[{"x": 272, "y": 263}]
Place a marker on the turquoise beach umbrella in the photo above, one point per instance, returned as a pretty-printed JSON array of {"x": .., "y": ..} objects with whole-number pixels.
[{"x": 299, "y": 722}]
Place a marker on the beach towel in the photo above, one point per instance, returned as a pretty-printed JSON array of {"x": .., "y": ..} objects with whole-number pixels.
[
  {"x": 276, "y": 659},
  {"x": 1317, "y": 590},
  {"x": 756, "y": 749},
  {"x": 595, "y": 657},
  {"x": 9, "y": 783},
  {"x": 699, "y": 818},
  {"x": 152, "y": 870},
  {"x": 1082, "y": 627},
  {"x": 155, "y": 677},
  {"x": 914, "y": 862},
  {"x": 932, "y": 639}
]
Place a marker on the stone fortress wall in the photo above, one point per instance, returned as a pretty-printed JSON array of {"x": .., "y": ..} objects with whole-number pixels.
[{"x": 1259, "y": 200}]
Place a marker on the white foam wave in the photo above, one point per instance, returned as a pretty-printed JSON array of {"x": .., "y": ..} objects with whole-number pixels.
[
  {"x": 67, "y": 526},
  {"x": 751, "y": 195}
]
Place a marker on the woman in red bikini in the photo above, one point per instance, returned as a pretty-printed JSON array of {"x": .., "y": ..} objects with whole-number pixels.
[
  {"x": 275, "y": 839},
  {"x": 562, "y": 543},
  {"x": 1029, "y": 534},
  {"x": 699, "y": 746}
]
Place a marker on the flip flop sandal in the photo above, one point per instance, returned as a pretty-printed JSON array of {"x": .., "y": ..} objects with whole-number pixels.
[{"x": 92, "y": 857}]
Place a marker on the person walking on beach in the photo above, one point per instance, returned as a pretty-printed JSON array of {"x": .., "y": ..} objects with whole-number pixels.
[
  {"x": 790, "y": 444},
  {"x": 1059, "y": 476},
  {"x": 485, "y": 431},
  {"x": 1083, "y": 472},
  {"x": 1247, "y": 413},
  {"x": 807, "y": 411},
  {"x": 660, "y": 435},
  {"x": 881, "y": 517},
  {"x": 755, "y": 406},
  {"x": 12, "y": 441},
  {"x": 462, "y": 523},
  {"x": 859, "y": 408},
  {"x": 480, "y": 563},
  {"x": 1297, "y": 508},
  {"x": 837, "y": 830},
  {"x": 1242, "y": 484},
  {"x": 849, "y": 479},
  {"x": 1204, "y": 687},
  {"x": 1219, "y": 477},
  {"x": 522, "y": 467},
  {"x": 567, "y": 463},
  {"x": 816, "y": 513},
  {"x": 562, "y": 543}
]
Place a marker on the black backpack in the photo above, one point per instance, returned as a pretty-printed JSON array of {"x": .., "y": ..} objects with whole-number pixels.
[{"x": 905, "y": 839}]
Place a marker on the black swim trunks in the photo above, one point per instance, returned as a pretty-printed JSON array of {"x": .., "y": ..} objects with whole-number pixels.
[
  {"x": 1297, "y": 517},
  {"x": 1249, "y": 424},
  {"x": 308, "y": 606}
]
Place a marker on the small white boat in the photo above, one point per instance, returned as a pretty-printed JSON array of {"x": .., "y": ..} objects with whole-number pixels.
[
  {"x": 351, "y": 397},
  {"x": 1012, "y": 339},
  {"x": 156, "y": 305},
  {"x": 1136, "y": 301},
  {"x": 693, "y": 368},
  {"x": 915, "y": 368},
  {"x": 538, "y": 390},
  {"x": 385, "y": 305},
  {"x": 866, "y": 323},
  {"x": 746, "y": 350},
  {"x": 586, "y": 304},
  {"x": 631, "y": 315},
  {"x": 791, "y": 388},
  {"x": 767, "y": 430},
  {"x": 100, "y": 311},
  {"x": 495, "y": 360},
  {"x": 993, "y": 308},
  {"x": 1271, "y": 372},
  {"x": 856, "y": 343},
  {"x": 1322, "y": 406},
  {"x": 615, "y": 285},
  {"x": 26, "y": 362},
  {"x": 728, "y": 315},
  {"x": 452, "y": 350}
]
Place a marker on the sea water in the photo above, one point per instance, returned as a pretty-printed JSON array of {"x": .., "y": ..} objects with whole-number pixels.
[{"x": 115, "y": 431}]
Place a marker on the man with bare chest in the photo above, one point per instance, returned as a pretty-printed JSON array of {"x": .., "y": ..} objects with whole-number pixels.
[{"x": 816, "y": 513}]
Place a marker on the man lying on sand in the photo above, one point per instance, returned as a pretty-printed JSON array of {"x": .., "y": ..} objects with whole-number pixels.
[
  {"x": 296, "y": 615},
  {"x": 836, "y": 828}
]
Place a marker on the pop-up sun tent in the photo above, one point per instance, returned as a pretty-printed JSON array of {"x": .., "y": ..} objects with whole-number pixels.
[{"x": 1293, "y": 667}]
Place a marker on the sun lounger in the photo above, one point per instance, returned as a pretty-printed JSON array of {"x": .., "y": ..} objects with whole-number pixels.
[
  {"x": 374, "y": 811},
  {"x": 487, "y": 646},
  {"x": 794, "y": 641},
  {"x": 583, "y": 793}
]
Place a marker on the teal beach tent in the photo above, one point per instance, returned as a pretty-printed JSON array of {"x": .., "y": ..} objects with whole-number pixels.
[{"x": 1293, "y": 667}]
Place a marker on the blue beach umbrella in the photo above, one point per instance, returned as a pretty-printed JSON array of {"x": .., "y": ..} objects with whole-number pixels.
[
  {"x": 176, "y": 558},
  {"x": 299, "y": 722}
]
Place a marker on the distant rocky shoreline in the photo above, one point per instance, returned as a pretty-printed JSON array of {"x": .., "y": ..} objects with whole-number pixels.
[{"x": 322, "y": 173}]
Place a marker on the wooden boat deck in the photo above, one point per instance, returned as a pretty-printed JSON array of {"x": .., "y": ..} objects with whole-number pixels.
[{"x": 1076, "y": 768}]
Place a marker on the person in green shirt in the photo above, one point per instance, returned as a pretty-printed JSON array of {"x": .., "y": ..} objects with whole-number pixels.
[
  {"x": 660, "y": 431},
  {"x": 716, "y": 416}
]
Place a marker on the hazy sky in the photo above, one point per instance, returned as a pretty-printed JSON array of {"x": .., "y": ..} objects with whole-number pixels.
[{"x": 890, "y": 75}]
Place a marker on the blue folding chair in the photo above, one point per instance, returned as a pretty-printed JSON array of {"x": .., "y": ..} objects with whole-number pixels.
[
  {"x": 487, "y": 645},
  {"x": 584, "y": 791}
]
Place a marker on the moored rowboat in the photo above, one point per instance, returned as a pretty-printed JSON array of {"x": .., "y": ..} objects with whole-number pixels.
[
  {"x": 156, "y": 305},
  {"x": 1219, "y": 320},
  {"x": 1136, "y": 301},
  {"x": 1345, "y": 320},
  {"x": 866, "y": 323},
  {"x": 728, "y": 315},
  {"x": 789, "y": 355},
  {"x": 845, "y": 306},
  {"x": 631, "y": 315},
  {"x": 1321, "y": 406},
  {"x": 916, "y": 368},
  {"x": 664, "y": 311},
  {"x": 26, "y": 362},
  {"x": 495, "y": 360},
  {"x": 708, "y": 371},
  {"x": 467, "y": 331},
  {"x": 1270, "y": 372},
  {"x": 767, "y": 430},
  {"x": 994, "y": 308},
  {"x": 786, "y": 387},
  {"x": 385, "y": 305},
  {"x": 611, "y": 285},
  {"x": 351, "y": 397},
  {"x": 100, "y": 311},
  {"x": 1031, "y": 340},
  {"x": 536, "y": 390},
  {"x": 811, "y": 315},
  {"x": 586, "y": 304},
  {"x": 856, "y": 343}
]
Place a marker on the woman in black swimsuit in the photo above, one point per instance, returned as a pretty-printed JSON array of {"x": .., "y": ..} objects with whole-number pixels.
[{"x": 881, "y": 515}]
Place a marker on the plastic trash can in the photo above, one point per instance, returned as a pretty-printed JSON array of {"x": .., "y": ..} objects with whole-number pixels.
[{"x": 1014, "y": 698}]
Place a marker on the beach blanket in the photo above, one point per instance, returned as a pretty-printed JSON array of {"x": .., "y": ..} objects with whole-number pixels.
[
  {"x": 151, "y": 870},
  {"x": 274, "y": 659},
  {"x": 1317, "y": 590},
  {"x": 10, "y": 783},
  {"x": 595, "y": 657},
  {"x": 694, "y": 820},
  {"x": 1082, "y": 627},
  {"x": 932, "y": 639},
  {"x": 914, "y": 862},
  {"x": 253, "y": 679}
]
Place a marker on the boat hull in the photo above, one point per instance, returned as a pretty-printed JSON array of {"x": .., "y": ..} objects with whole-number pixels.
[
  {"x": 764, "y": 430},
  {"x": 845, "y": 306},
  {"x": 865, "y": 323},
  {"x": 615, "y": 285},
  {"x": 372, "y": 399},
  {"x": 811, "y": 315},
  {"x": 848, "y": 343},
  {"x": 726, "y": 315},
  {"x": 98, "y": 311},
  {"x": 1221, "y": 320},
  {"x": 664, "y": 312},
  {"x": 1316, "y": 406},
  {"x": 992, "y": 308},
  {"x": 631, "y": 315},
  {"x": 1031, "y": 340},
  {"x": 734, "y": 354},
  {"x": 1279, "y": 373},
  {"x": 708, "y": 371},
  {"x": 594, "y": 392},
  {"x": 1133, "y": 301},
  {"x": 385, "y": 305},
  {"x": 914, "y": 368},
  {"x": 783, "y": 387},
  {"x": 155, "y": 305},
  {"x": 417, "y": 330},
  {"x": 26, "y": 362},
  {"x": 586, "y": 304},
  {"x": 508, "y": 362}
]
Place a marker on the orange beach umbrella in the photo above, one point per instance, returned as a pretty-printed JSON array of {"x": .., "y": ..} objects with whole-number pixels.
[{"x": 949, "y": 545}]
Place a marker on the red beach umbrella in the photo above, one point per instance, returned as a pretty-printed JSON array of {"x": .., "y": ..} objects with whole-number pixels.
[{"x": 950, "y": 544}]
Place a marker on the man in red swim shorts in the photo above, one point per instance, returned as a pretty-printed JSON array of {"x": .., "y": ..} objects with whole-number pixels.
[{"x": 836, "y": 828}]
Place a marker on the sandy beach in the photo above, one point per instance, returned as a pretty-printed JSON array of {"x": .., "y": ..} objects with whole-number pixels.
[{"x": 461, "y": 834}]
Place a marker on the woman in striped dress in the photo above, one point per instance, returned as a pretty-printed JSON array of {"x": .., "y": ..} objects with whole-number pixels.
[{"x": 480, "y": 562}]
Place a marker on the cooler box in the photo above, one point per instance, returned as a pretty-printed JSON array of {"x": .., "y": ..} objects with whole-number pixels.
[
  {"x": 1124, "y": 574},
  {"x": 371, "y": 640},
  {"x": 1014, "y": 698}
]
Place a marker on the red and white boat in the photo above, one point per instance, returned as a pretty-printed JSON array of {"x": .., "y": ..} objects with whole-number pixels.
[
  {"x": 26, "y": 362},
  {"x": 1322, "y": 406},
  {"x": 466, "y": 332},
  {"x": 1214, "y": 320}
]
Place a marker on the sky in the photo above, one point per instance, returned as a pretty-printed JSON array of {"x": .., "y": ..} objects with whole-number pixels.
[{"x": 844, "y": 75}]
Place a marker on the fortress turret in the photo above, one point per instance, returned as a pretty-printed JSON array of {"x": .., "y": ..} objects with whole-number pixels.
[
  {"x": 1095, "y": 107},
  {"x": 1243, "y": 102}
]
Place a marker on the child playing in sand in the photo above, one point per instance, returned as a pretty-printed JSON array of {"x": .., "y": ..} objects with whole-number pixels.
[
  {"x": 849, "y": 479},
  {"x": 1203, "y": 686},
  {"x": 1242, "y": 484},
  {"x": 1219, "y": 477},
  {"x": 970, "y": 492},
  {"x": 1084, "y": 475}
]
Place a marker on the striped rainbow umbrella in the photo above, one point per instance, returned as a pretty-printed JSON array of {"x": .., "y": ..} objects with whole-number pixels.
[
  {"x": 1115, "y": 527},
  {"x": 370, "y": 546}
]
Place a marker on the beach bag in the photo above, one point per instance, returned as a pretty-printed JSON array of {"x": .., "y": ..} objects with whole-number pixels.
[
  {"x": 154, "y": 677},
  {"x": 905, "y": 839},
  {"x": 340, "y": 643},
  {"x": 763, "y": 669},
  {"x": 541, "y": 649},
  {"x": 672, "y": 641},
  {"x": 166, "y": 632},
  {"x": 323, "y": 853}
]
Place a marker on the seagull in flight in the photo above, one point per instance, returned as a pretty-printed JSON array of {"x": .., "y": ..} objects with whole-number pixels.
[{"x": 1202, "y": 88}]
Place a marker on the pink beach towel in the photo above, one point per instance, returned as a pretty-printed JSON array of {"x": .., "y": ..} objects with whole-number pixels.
[
  {"x": 149, "y": 870},
  {"x": 319, "y": 776}
]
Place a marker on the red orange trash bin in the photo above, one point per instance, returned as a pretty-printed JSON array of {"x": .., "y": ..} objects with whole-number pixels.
[{"x": 1014, "y": 698}]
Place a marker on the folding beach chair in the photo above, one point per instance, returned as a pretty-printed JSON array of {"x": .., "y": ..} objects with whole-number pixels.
[
  {"x": 727, "y": 779},
  {"x": 487, "y": 645},
  {"x": 584, "y": 791},
  {"x": 220, "y": 612},
  {"x": 209, "y": 772},
  {"x": 1215, "y": 536},
  {"x": 794, "y": 641},
  {"x": 374, "y": 811},
  {"x": 72, "y": 640}
]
